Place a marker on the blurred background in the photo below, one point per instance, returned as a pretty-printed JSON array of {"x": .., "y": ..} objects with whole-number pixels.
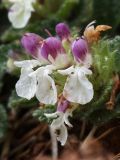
[{"x": 75, "y": 12}]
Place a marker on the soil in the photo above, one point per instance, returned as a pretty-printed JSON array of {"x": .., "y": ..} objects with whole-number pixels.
[{"x": 28, "y": 139}]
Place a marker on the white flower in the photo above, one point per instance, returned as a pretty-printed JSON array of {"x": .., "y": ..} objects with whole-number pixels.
[
  {"x": 78, "y": 88},
  {"x": 20, "y": 12},
  {"x": 37, "y": 82},
  {"x": 59, "y": 124}
]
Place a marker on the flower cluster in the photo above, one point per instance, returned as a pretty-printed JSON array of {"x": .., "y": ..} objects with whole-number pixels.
[{"x": 73, "y": 62}]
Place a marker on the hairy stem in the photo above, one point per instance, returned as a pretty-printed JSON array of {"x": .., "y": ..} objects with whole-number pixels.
[{"x": 54, "y": 144}]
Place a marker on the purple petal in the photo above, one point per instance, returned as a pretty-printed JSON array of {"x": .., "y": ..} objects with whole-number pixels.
[
  {"x": 51, "y": 46},
  {"x": 62, "y": 106},
  {"x": 79, "y": 49},
  {"x": 62, "y": 30},
  {"x": 31, "y": 43}
]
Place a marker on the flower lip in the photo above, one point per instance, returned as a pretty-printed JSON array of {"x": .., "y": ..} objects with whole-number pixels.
[
  {"x": 51, "y": 46},
  {"x": 80, "y": 49},
  {"x": 78, "y": 89},
  {"x": 31, "y": 43},
  {"x": 62, "y": 30}
]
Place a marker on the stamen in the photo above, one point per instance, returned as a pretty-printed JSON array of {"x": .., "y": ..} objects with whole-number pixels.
[{"x": 48, "y": 32}]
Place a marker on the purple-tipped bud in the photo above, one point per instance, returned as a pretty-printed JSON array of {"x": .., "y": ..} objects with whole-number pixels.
[
  {"x": 51, "y": 46},
  {"x": 80, "y": 49},
  {"x": 31, "y": 43},
  {"x": 62, "y": 30},
  {"x": 62, "y": 106}
]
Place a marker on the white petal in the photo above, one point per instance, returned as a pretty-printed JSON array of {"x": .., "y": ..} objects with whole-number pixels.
[
  {"x": 66, "y": 115},
  {"x": 78, "y": 88},
  {"x": 56, "y": 123},
  {"x": 46, "y": 90},
  {"x": 61, "y": 61},
  {"x": 26, "y": 85},
  {"x": 42, "y": 60},
  {"x": 29, "y": 4},
  {"x": 91, "y": 24},
  {"x": 27, "y": 63},
  {"x": 88, "y": 60},
  {"x": 83, "y": 70},
  {"x": 62, "y": 137},
  {"x": 19, "y": 15},
  {"x": 66, "y": 71},
  {"x": 13, "y": 1},
  {"x": 51, "y": 115}
]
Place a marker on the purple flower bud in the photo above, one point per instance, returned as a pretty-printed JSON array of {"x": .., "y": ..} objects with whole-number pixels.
[
  {"x": 62, "y": 106},
  {"x": 79, "y": 49},
  {"x": 31, "y": 43},
  {"x": 62, "y": 30},
  {"x": 51, "y": 46}
]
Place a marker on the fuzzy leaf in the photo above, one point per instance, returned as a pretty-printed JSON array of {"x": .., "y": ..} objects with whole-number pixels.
[
  {"x": 39, "y": 113},
  {"x": 115, "y": 47}
]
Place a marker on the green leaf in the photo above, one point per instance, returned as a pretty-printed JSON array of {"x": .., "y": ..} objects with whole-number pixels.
[
  {"x": 59, "y": 81},
  {"x": 115, "y": 47},
  {"x": 103, "y": 62},
  {"x": 39, "y": 113},
  {"x": 102, "y": 115}
]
